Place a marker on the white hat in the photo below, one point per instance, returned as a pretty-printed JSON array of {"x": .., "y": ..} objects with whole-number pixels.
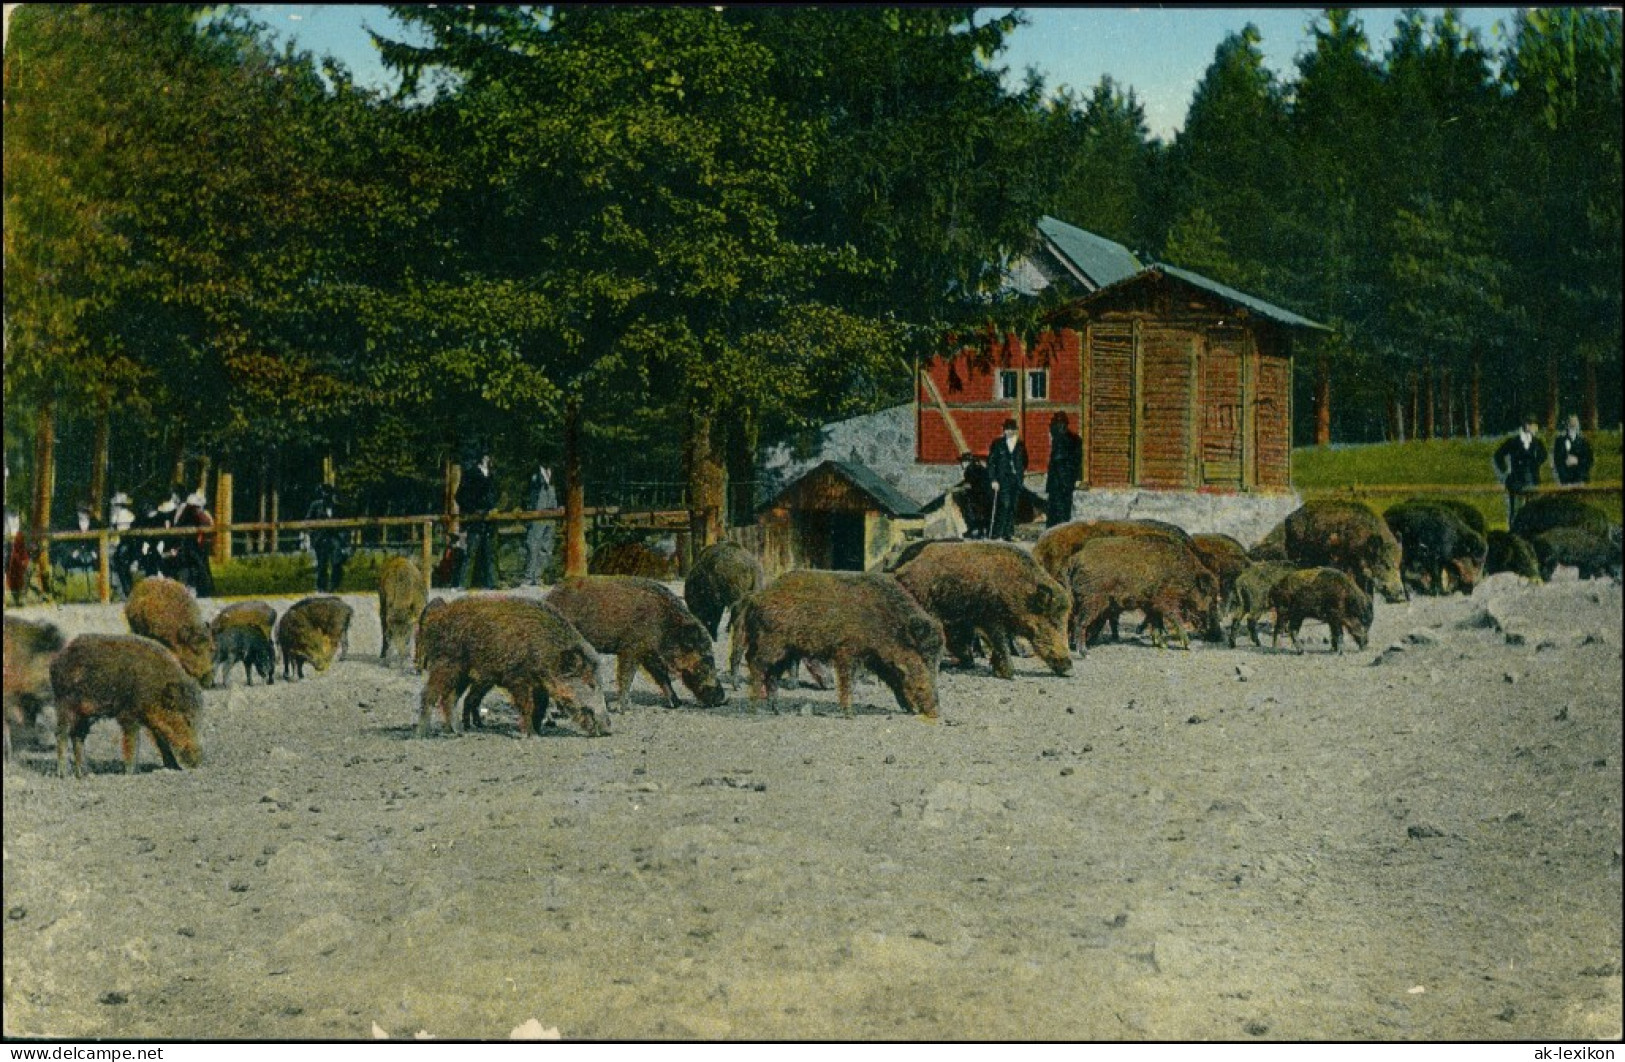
[
  {"x": 121, "y": 498},
  {"x": 196, "y": 498}
]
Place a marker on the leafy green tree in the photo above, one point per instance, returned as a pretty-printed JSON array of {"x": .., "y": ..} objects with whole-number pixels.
[
  {"x": 1563, "y": 69},
  {"x": 1230, "y": 160},
  {"x": 1100, "y": 161}
]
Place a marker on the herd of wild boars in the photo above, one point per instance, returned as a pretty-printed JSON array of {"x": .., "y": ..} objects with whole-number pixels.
[{"x": 936, "y": 601}]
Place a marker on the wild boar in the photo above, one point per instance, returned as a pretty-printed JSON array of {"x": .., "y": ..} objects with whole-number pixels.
[
  {"x": 134, "y": 680},
  {"x": 401, "y": 600},
  {"x": 644, "y": 625},
  {"x": 722, "y": 576},
  {"x": 167, "y": 612},
  {"x": 1348, "y": 535},
  {"x": 991, "y": 588},
  {"x": 524, "y": 646},
  {"x": 1329, "y": 595},
  {"x": 29, "y": 650},
  {"x": 849, "y": 619}
]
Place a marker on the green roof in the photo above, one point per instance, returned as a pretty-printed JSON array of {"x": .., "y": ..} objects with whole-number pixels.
[
  {"x": 1097, "y": 258},
  {"x": 1257, "y": 305},
  {"x": 863, "y": 478}
]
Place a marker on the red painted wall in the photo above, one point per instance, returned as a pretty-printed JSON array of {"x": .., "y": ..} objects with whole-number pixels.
[{"x": 969, "y": 391}]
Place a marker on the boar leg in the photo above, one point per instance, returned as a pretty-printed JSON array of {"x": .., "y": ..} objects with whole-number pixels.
[
  {"x": 1179, "y": 631},
  {"x": 72, "y": 724},
  {"x": 437, "y": 693},
  {"x": 471, "y": 704},
  {"x": 626, "y": 670},
  {"x": 843, "y": 685},
  {"x": 998, "y": 641},
  {"x": 657, "y": 671},
  {"x": 129, "y": 742},
  {"x": 524, "y": 699},
  {"x": 1337, "y": 635}
]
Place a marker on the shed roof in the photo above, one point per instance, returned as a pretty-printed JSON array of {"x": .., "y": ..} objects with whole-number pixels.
[
  {"x": 1267, "y": 310},
  {"x": 1099, "y": 260},
  {"x": 888, "y": 498}
]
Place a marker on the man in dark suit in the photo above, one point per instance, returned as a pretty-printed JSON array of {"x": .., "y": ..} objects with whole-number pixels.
[
  {"x": 975, "y": 496},
  {"x": 1065, "y": 469},
  {"x": 1518, "y": 461},
  {"x": 1571, "y": 455},
  {"x": 476, "y": 496},
  {"x": 1006, "y": 467}
]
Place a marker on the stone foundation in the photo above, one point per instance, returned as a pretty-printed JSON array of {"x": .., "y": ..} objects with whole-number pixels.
[{"x": 1245, "y": 517}]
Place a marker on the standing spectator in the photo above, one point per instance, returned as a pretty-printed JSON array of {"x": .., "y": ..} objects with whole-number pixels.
[
  {"x": 1517, "y": 463},
  {"x": 149, "y": 551},
  {"x": 195, "y": 549},
  {"x": 126, "y": 548},
  {"x": 328, "y": 542},
  {"x": 1065, "y": 469},
  {"x": 79, "y": 555},
  {"x": 975, "y": 496},
  {"x": 477, "y": 496},
  {"x": 164, "y": 554},
  {"x": 1006, "y": 467},
  {"x": 1571, "y": 455},
  {"x": 541, "y": 535},
  {"x": 16, "y": 557}
]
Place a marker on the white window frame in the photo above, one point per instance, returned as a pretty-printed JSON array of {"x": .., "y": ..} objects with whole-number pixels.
[
  {"x": 1041, "y": 377},
  {"x": 1014, "y": 378}
]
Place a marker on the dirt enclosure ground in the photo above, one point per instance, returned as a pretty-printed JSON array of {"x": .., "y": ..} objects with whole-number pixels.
[{"x": 1417, "y": 841}]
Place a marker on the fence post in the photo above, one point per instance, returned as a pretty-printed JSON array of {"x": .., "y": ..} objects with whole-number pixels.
[
  {"x": 426, "y": 556},
  {"x": 104, "y": 589}
]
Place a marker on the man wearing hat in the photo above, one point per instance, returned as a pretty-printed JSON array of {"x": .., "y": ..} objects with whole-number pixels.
[
  {"x": 194, "y": 549},
  {"x": 327, "y": 542},
  {"x": 1517, "y": 463},
  {"x": 126, "y": 548},
  {"x": 1006, "y": 467},
  {"x": 1065, "y": 469}
]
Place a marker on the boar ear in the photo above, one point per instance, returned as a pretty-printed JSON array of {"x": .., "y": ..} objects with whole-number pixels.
[
  {"x": 1045, "y": 599},
  {"x": 923, "y": 634}
]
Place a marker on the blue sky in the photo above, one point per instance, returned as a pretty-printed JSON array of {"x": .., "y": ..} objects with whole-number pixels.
[{"x": 1161, "y": 53}]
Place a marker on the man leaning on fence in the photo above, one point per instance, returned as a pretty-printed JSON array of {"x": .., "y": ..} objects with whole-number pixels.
[
  {"x": 541, "y": 535},
  {"x": 1517, "y": 464},
  {"x": 328, "y": 543},
  {"x": 477, "y": 496}
]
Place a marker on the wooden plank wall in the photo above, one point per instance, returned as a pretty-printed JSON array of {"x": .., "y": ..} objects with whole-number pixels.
[
  {"x": 1221, "y": 443},
  {"x": 1272, "y": 423},
  {"x": 1166, "y": 397},
  {"x": 1110, "y": 458}
]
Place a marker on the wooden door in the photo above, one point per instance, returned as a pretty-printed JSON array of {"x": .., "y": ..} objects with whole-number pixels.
[
  {"x": 1223, "y": 413},
  {"x": 1110, "y": 404}
]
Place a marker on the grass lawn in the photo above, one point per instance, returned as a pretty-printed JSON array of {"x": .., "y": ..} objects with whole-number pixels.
[{"x": 1443, "y": 463}]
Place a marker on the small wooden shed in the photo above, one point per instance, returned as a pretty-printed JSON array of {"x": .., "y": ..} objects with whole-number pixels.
[{"x": 839, "y": 515}]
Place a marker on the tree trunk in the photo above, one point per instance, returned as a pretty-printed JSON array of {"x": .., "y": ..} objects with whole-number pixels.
[
  {"x": 265, "y": 492},
  {"x": 1396, "y": 416},
  {"x": 1323, "y": 399},
  {"x": 1588, "y": 398},
  {"x": 98, "y": 461},
  {"x": 177, "y": 458},
  {"x": 575, "y": 524},
  {"x": 204, "y": 464},
  {"x": 1447, "y": 389},
  {"x": 1429, "y": 427},
  {"x": 707, "y": 479},
  {"x": 1416, "y": 403},
  {"x": 1475, "y": 427},
  {"x": 1553, "y": 389},
  {"x": 39, "y": 521},
  {"x": 742, "y": 442}
]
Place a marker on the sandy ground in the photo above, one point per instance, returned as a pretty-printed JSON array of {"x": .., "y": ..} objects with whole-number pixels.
[{"x": 1418, "y": 841}]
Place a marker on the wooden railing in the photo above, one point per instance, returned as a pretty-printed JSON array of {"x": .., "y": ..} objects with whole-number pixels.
[{"x": 106, "y": 539}]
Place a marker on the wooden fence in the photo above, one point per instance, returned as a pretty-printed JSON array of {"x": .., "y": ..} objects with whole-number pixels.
[{"x": 422, "y": 532}]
